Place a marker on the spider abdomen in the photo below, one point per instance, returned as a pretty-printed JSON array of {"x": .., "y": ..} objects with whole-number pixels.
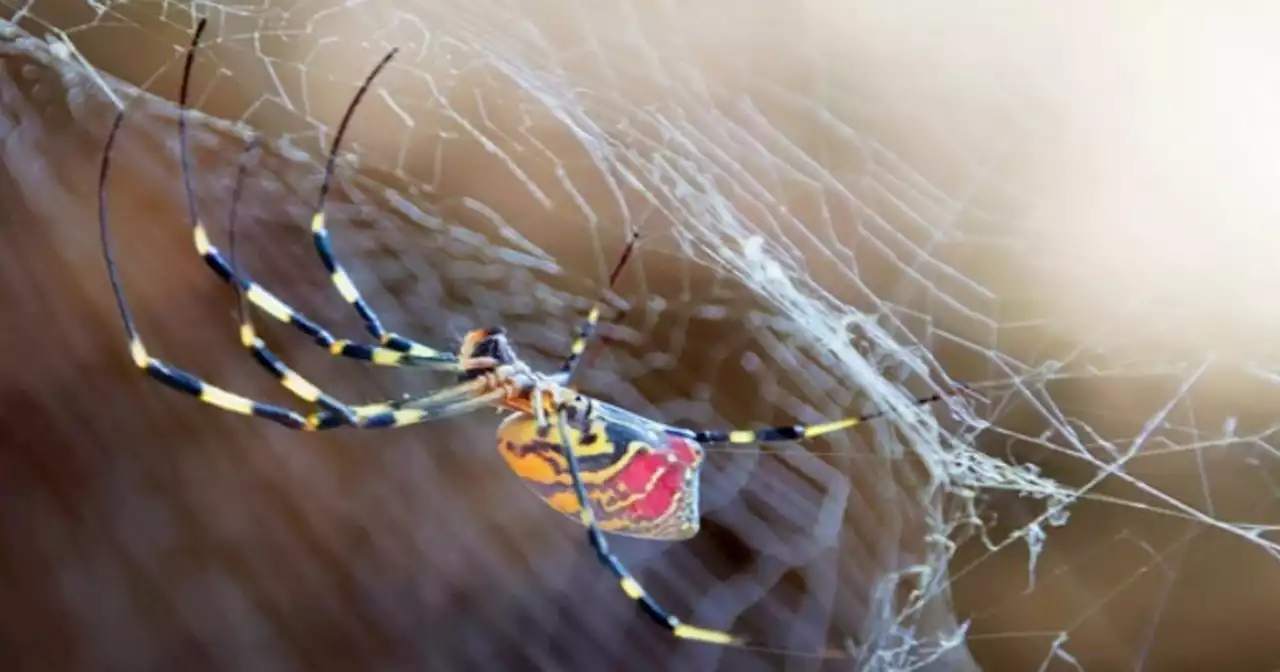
[{"x": 640, "y": 480}]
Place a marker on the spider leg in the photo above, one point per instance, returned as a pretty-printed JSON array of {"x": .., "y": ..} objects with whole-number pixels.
[
  {"x": 334, "y": 412},
  {"x": 785, "y": 432},
  {"x": 384, "y": 355},
  {"x": 588, "y": 327},
  {"x": 461, "y": 398},
  {"x": 630, "y": 586},
  {"x": 453, "y": 400},
  {"x": 324, "y": 248},
  {"x": 337, "y": 412}
]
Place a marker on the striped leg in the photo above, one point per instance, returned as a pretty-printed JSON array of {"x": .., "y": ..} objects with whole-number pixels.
[
  {"x": 629, "y": 584},
  {"x": 785, "y": 433},
  {"x": 462, "y": 398},
  {"x": 338, "y": 412},
  {"x": 272, "y": 305},
  {"x": 324, "y": 247},
  {"x": 374, "y": 416},
  {"x": 588, "y": 328},
  {"x": 385, "y": 355},
  {"x": 450, "y": 401}
]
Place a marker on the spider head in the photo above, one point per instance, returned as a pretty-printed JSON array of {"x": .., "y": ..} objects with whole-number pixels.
[{"x": 483, "y": 350}]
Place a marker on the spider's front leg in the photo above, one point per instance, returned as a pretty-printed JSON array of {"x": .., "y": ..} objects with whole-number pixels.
[
  {"x": 391, "y": 352},
  {"x": 587, "y": 330}
]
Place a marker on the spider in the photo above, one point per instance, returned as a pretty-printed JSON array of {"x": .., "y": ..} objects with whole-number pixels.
[{"x": 612, "y": 470}]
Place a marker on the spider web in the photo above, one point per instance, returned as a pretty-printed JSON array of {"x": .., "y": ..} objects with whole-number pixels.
[{"x": 815, "y": 242}]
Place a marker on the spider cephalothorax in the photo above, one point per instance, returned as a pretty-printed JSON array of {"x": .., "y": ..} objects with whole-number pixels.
[{"x": 483, "y": 351}]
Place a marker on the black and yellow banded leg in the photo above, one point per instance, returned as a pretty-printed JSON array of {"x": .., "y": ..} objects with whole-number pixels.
[
  {"x": 374, "y": 416},
  {"x": 183, "y": 381},
  {"x": 580, "y": 342},
  {"x": 335, "y": 413},
  {"x": 455, "y": 400},
  {"x": 630, "y": 586},
  {"x": 460, "y": 398},
  {"x": 324, "y": 246},
  {"x": 255, "y": 293},
  {"x": 214, "y": 396},
  {"x": 349, "y": 293},
  {"x": 282, "y": 312},
  {"x": 159, "y": 370},
  {"x": 290, "y": 380},
  {"x": 786, "y": 432},
  {"x": 587, "y": 330}
]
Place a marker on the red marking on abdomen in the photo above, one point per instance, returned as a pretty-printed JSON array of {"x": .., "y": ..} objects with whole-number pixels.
[{"x": 663, "y": 478}]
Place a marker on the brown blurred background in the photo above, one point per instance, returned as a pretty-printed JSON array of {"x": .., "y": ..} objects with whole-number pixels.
[{"x": 1101, "y": 178}]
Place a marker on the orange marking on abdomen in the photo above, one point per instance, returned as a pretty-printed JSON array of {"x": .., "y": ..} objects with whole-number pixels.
[{"x": 646, "y": 488}]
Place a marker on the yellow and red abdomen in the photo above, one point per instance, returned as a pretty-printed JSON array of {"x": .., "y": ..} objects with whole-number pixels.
[{"x": 641, "y": 482}]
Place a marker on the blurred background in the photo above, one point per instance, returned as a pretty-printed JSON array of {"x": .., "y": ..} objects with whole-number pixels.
[{"x": 840, "y": 207}]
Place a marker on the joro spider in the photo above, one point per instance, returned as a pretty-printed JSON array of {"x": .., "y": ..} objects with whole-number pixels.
[{"x": 639, "y": 475}]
